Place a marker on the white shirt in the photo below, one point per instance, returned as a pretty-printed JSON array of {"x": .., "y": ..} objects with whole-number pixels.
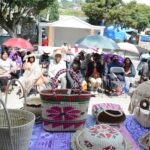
[
  {"x": 6, "y": 64},
  {"x": 55, "y": 67}
]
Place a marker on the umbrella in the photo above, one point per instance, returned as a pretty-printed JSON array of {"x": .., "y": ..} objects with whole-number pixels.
[
  {"x": 18, "y": 42},
  {"x": 128, "y": 47},
  {"x": 96, "y": 42}
]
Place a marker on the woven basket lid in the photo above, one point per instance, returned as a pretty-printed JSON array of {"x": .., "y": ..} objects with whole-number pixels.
[
  {"x": 142, "y": 91},
  {"x": 99, "y": 137}
]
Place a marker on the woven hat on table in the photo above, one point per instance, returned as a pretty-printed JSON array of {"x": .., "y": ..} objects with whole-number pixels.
[
  {"x": 140, "y": 104},
  {"x": 108, "y": 113},
  {"x": 99, "y": 137}
]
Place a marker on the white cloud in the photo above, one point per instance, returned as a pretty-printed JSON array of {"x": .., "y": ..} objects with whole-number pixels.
[{"x": 147, "y": 2}]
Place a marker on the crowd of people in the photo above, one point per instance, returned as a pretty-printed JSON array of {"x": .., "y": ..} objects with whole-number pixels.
[{"x": 97, "y": 72}]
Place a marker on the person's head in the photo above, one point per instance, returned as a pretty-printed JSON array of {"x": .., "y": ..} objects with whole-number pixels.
[
  {"x": 127, "y": 61},
  {"x": 65, "y": 44},
  {"x": 88, "y": 57},
  {"x": 14, "y": 57},
  {"x": 77, "y": 58},
  {"x": 58, "y": 56},
  {"x": 101, "y": 59},
  {"x": 31, "y": 59},
  {"x": 108, "y": 60},
  {"x": 28, "y": 52},
  {"x": 46, "y": 52},
  {"x": 75, "y": 66},
  {"x": 4, "y": 55},
  {"x": 115, "y": 58}
]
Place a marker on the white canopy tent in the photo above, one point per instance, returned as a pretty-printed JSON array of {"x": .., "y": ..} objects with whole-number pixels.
[{"x": 69, "y": 30}]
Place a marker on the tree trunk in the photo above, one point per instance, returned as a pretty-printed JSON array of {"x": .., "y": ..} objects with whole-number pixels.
[{"x": 11, "y": 31}]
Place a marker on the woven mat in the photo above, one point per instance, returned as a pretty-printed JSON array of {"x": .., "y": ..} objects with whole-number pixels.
[
  {"x": 42, "y": 140},
  {"x": 135, "y": 129}
]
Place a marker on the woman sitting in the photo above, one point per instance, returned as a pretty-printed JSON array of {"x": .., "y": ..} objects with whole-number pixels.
[
  {"x": 94, "y": 74},
  {"x": 31, "y": 74},
  {"x": 6, "y": 68},
  {"x": 16, "y": 59},
  {"x": 130, "y": 72},
  {"x": 71, "y": 83},
  {"x": 145, "y": 72}
]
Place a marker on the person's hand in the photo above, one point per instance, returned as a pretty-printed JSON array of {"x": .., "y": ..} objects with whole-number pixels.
[{"x": 128, "y": 72}]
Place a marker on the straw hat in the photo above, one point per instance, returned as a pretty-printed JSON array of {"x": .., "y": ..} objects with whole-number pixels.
[
  {"x": 99, "y": 137},
  {"x": 140, "y": 104},
  {"x": 57, "y": 52}
]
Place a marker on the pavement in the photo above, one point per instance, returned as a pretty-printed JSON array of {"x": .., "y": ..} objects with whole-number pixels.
[{"x": 13, "y": 100}]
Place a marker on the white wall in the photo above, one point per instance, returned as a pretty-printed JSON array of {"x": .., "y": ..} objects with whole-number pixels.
[{"x": 69, "y": 35}]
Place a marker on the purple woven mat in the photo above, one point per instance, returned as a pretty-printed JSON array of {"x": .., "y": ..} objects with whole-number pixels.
[
  {"x": 135, "y": 129},
  {"x": 42, "y": 140}
]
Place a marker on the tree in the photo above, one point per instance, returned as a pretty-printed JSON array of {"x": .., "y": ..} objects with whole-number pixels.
[
  {"x": 99, "y": 11},
  {"x": 12, "y": 11},
  {"x": 51, "y": 13},
  {"x": 118, "y": 13}
]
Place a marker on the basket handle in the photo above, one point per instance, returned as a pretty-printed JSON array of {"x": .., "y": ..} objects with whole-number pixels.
[
  {"x": 24, "y": 91},
  {"x": 9, "y": 125},
  {"x": 74, "y": 76}
]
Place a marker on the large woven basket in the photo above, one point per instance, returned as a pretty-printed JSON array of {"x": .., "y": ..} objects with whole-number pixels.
[
  {"x": 15, "y": 128},
  {"x": 64, "y": 110}
]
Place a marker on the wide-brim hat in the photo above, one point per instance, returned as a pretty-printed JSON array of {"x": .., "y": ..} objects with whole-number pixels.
[
  {"x": 28, "y": 56},
  {"x": 58, "y": 52},
  {"x": 47, "y": 51},
  {"x": 99, "y": 140}
]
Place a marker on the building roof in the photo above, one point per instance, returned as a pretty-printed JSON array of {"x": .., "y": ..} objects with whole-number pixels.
[{"x": 71, "y": 22}]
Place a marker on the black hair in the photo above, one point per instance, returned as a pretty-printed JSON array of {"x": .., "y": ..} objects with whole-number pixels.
[
  {"x": 4, "y": 51},
  {"x": 129, "y": 59},
  {"x": 28, "y": 53}
]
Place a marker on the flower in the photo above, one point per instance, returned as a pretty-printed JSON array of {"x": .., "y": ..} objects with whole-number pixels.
[{"x": 65, "y": 113}]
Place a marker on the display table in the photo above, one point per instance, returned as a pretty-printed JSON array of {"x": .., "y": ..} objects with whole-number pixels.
[{"x": 42, "y": 140}]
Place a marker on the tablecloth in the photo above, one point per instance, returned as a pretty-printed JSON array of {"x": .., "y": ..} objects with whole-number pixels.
[{"x": 42, "y": 140}]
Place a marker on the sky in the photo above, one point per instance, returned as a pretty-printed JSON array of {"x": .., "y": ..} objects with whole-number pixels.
[{"x": 147, "y": 2}]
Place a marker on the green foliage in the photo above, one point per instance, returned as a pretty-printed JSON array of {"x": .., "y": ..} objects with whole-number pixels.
[
  {"x": 72, "y": 12},
  {"x": 51, "y": 11},
  {"x": 12, "y": 11},
  {"x": 98, "y": 10},
  {"x": 116, "y": 12}
]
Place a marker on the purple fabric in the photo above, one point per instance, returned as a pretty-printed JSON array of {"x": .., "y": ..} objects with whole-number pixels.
[
  {"x": 120, "y": 59},
  {"x": 42, "y": 140},
  {"x": 18, "y": 59},
  {"x": 135, "y": 129}
]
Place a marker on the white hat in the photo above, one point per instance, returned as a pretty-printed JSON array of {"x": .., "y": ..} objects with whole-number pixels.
[
  {"x": 57, "y": 52},
  {"x": 46, "y": 50},
  {"x": 99, "y": 137},
  {"x": 27, "y": 56}
]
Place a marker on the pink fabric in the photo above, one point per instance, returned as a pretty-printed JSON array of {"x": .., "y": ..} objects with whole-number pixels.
[{"x": 124, "y": 131}]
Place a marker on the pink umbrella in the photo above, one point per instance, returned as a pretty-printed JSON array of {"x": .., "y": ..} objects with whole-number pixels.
[
  {"x": 18, "y": 42},
  {"x": 128, "y": 47}
]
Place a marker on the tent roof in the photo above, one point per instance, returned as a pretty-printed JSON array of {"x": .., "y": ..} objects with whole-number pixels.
[{"x": 72, "y": 22}]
